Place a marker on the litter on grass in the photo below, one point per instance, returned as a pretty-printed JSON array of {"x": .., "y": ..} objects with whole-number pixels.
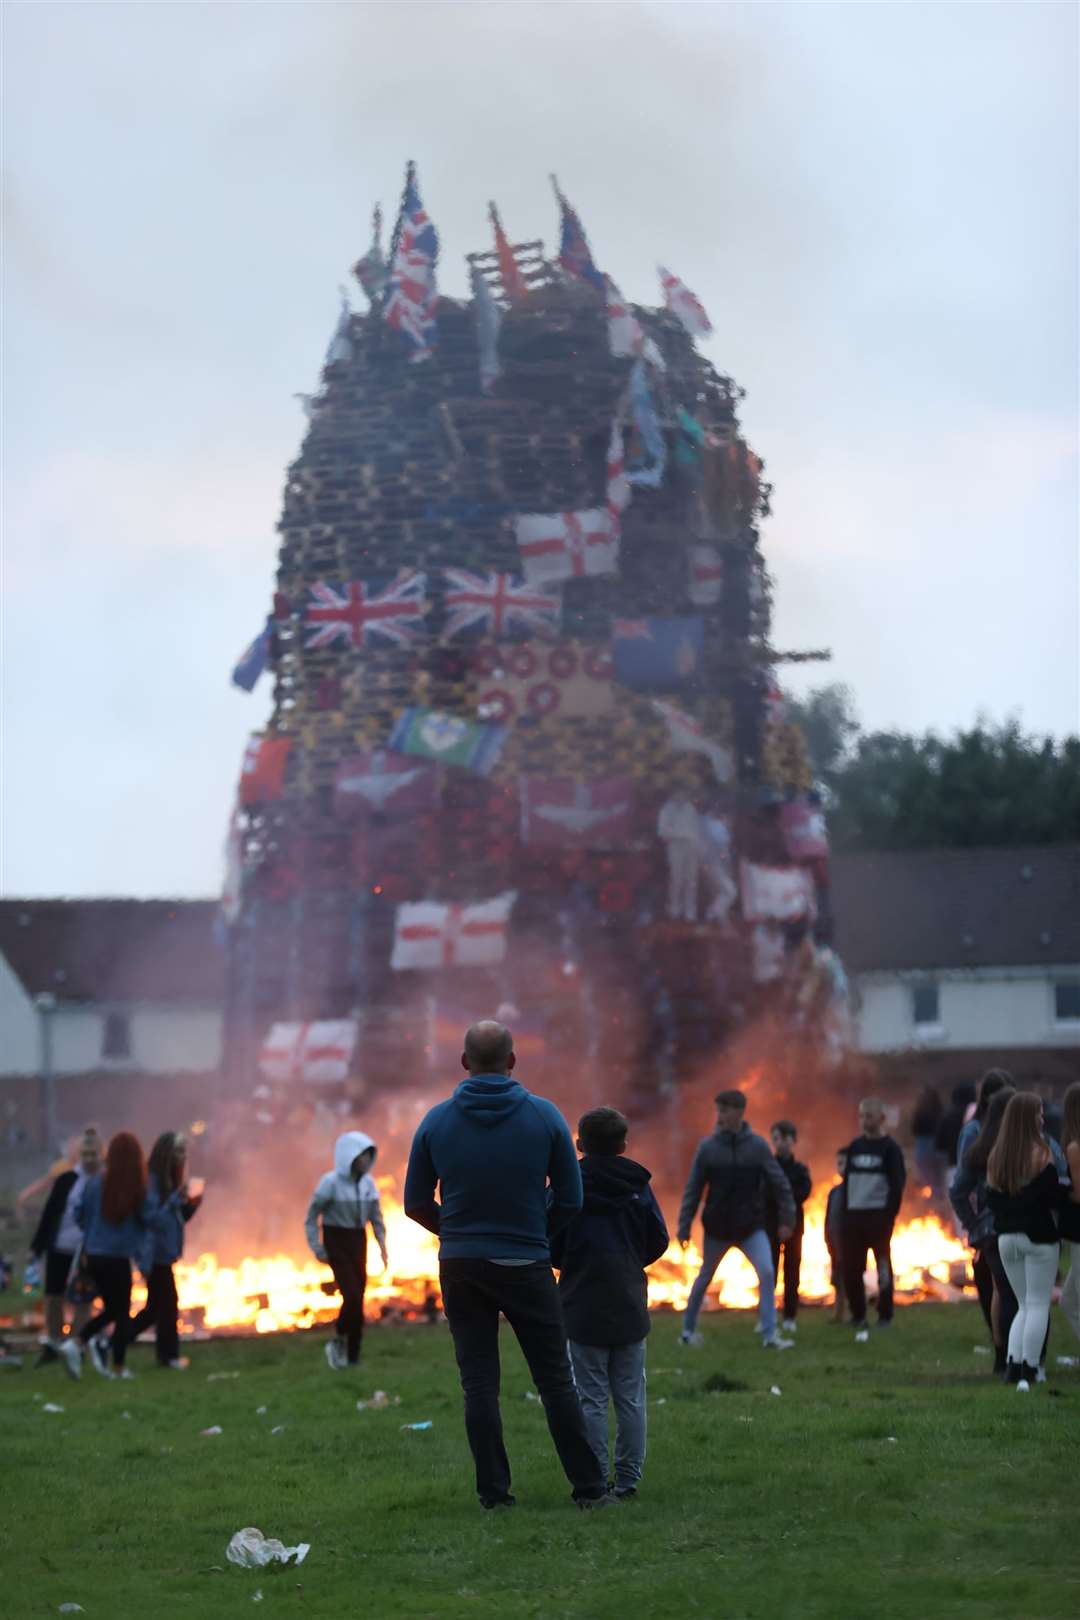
[
  {"x": 530, "y": 1396},
  {"x": 71, "y": 1608},
  {"x": 378, "y": 1401},
  {"x": 256, "y": 1597},
  {"x": 213, "y": 1378},
  {"x": 250, "y": 1549},
  {"x": 215, "y": 1428},
  {"x": 427, "y": 1424},
  {"x": 260, "y": 1411},
  {"x": 279, "y": 1428},
  {"x": 981, "y": 1349},
  {"x": 776, "y": 1390},
  {"x": 51, "y": 1406},
  {"x": 1068, "y": 1361}
]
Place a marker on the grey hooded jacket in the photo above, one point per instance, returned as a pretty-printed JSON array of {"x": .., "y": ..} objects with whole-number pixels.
[
  {"x": 339, "y": 1200},
  {"x": 739, "y": 1176}
]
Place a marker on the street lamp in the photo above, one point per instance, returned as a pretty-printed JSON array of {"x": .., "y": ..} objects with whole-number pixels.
[{"x": 45, "y": 1002}]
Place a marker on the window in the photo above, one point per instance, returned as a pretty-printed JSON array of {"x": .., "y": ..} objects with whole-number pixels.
[
  {"x": 924, "y": 1004},
  {"x": 1067, "y": 1001},
  {"x": 116, "y": 1037}
]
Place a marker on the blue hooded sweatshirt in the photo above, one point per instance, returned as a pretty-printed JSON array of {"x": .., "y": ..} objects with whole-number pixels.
[{"x": 492, "y": 1149}]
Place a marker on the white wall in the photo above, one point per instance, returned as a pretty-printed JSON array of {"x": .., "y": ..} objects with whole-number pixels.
[
  {"x": 20, "y": 1050},
  {"x": 977, "y": 1008},
  {"x": 165, "y": 1039}
]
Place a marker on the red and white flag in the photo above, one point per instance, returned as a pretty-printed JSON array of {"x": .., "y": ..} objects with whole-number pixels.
[
  {"x": 380, "y": 781},
  {"x": 356, "y": 611},
  {"x": 781, "y": 894},
  {"x": 561, "y": 812},
  {"x": 706, "y": 576},
  {"x": 686, "y": 734},
  {"x": 682, "y": 303},
  {"x": 805, "y": 835},
  {"x": 497, "y": 604},
  {"x": 567, "y": 545},
  {"x": 319, "y": 1052},
  {"x": 625, "y": 336},
  {"x": 438, "y": 934},
  {"x": 618, "y": 485},
  {"x": 262, "y": 774}
]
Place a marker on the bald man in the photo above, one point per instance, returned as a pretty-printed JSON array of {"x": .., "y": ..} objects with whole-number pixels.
[{"x": 507, "y": 1177}]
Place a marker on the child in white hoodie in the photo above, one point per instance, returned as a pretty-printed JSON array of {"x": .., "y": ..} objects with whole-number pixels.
[{"x": 347, "y": 1199}]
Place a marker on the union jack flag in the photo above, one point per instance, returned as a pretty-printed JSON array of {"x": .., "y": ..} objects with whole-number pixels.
[
  {"x": 574, "y": 253},
  {"x": 354, "y": 612},
  {"x": 410, "y": 308},
  {"x": 567, "y": 545},
  {"x": 496, "y": 604}
]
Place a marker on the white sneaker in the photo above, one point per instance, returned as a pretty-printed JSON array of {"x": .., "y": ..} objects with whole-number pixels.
[
  {"x": 790, "y": 1325},
  {"x": 863, "y": 1336},
  {"x": 758, "y": 1327},
  {"x": 99, "y": 1355},
  {"x": 1040, "y": 1375},
  {"x": 335, "y": 1355},
  {"x": 124, "y": 1372},
  {"x": 180, "y": 1364},
  {"x": 71, "y": 1356},
  {"x": 693, "y": 1341},
  {"x": 777, "y": 1343},
  {"x": 1023, "y": 1387}
]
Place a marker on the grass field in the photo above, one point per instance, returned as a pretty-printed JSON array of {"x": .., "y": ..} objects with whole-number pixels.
[{"x": 895, "y": 1478}]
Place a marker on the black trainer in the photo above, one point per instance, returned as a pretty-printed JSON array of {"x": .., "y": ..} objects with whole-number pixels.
[{"x": 492, "y": 1502}]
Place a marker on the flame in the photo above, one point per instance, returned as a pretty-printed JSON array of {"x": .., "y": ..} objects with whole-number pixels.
[{"x": 279, "y": 1292}]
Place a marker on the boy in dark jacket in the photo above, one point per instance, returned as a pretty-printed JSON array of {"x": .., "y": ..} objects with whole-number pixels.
[
  {"x": 738, "y": 1176},
  {"x": 784, "y": 1136},
  {"x": 834, "y": 1235},
  {"x": 873, "y": 1188},
  {"x": 601, "y": 1255}
]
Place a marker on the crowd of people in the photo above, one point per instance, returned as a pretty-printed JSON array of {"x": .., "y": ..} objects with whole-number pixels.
[{"x": 493, "y": 1172}]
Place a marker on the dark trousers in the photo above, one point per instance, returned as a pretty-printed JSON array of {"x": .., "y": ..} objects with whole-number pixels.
[
  {"x": 474, "y": 1292},
  {"x": 984, "y": 1286},
  {"x": 112, "y": 1282},
  {"x": 159, "y": 1312},
  {"x": 346, "y": 1252},
  {"x": 792, "y": 1248},
  {"x": 1007, "y": 1302},
  {"x": 864, "y": 1230}
]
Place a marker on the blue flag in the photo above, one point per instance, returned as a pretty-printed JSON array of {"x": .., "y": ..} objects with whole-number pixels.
[
  {"x": 648, "y": 428},
  {"x": 253, "y": 661},
  {"x": 657, "y": 655}
]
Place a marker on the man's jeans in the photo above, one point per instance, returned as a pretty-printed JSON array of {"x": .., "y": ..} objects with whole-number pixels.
[
  {"x": 759, "y": 1253},
  {"x": 474, "y": 1292},
  {"x": 617, "y": 1371}
]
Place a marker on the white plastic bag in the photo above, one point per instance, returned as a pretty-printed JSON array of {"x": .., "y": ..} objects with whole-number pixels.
[{"x": 252, "y": 1550}]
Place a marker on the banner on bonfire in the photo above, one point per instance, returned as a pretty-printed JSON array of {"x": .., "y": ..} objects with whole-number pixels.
[
  {"x": 686, "y": 734},
  {"x": 781, "y": 894},
  {"x": 563, "y": 813},
  {"x": 380, "y": 782},
  {"x": 805, "y": 835},
  {"x": 706, "y": 576},
  {"x": 567, "y": 545},
  {"x": 448, "y": 739},
  {"x": 656, "y": 655},
  {"x": 318, "y": 1053},
  {"x": 533, "y": 680},
  {"x": 356, "y": 611},
  {"x": 262, "y": 774},
  {"x": 433, "y": 934}
]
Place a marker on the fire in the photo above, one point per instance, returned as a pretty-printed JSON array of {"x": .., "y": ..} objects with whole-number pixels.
[{"x": 279, "y": 1292}]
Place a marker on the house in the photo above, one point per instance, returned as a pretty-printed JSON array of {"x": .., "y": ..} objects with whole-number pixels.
[
  {"x": 110, "y": 1009},
  {"x": 960, "y": 958}
]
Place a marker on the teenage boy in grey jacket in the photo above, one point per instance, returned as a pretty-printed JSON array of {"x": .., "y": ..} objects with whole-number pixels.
[
  {"x": 733, "y": 1168},
  {"x": 346, "y": 1199}
]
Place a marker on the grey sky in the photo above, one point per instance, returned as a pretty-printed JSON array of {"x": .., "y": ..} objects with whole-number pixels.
[{"x": 876, "y": 203}]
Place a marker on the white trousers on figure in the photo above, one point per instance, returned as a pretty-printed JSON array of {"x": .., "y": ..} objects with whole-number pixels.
[
  {"x": 684, "y": 861},
  {"x": 1070, "y": 1294},
  {"x": 1031, "y": 1269}
]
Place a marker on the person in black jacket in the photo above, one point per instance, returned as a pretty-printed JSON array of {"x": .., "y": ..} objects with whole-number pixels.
[
  {"x": 1024, "y": 1193},
  {"x": 738, "y": 1175},
  {"x": 784, "y": 1136},
  {"x": 58, "y": 1240},
  {"x": 873, "y": 1187},
  {"x": 601, "y": 1257}
]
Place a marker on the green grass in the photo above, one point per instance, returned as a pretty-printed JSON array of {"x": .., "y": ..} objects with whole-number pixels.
[{"x": 895, "y": 1478}]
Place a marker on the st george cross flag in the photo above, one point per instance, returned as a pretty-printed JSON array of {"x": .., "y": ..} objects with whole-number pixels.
[
  {"x": 574, "y": 254},
  {"x": 561, "y": 812},
  {"x": 687, "y": 734},
  {"x": 805, "y": 835},
  {"x": 253, "y": 660},
  {"x": 355, "y": 612},
  {"x": 625, "y": 336},
  {"x": 279, "y": 1055},
  {"x": 262, "y": 774},
  {"x": 706, "y": 576},
  {"x": 657, "y": 655},
  {"x": 326, "y": 1050},
  {"x": 340, "y": 349},
  {"x": 450, "y": 739},
  {"x": 439, "y": 934},
  {"x": 618, "y": 485},
  {"x": 410, "y": 308},
  {"x": 488, "y": 321},
  {"x": 781, "y": 894},
  {"x": 497, "y": 604},
  {"x": 682, "y": 303},
  {"x": 380, "y": 782},
  {"x": 567, "y": 545}
]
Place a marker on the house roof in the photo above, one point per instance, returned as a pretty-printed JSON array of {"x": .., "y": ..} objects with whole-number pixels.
[
  {"x": 952, "y": 908},
  {"x": 115, "y": 950}
]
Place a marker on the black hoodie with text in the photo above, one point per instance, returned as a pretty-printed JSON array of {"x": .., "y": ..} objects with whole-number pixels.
[{"x": 601, "y": 1254}]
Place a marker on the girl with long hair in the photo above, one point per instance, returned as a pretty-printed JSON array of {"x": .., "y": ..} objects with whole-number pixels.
[
  {"x": 1022, "y": 1190},
  {"x": 111, "y": 1211},
  {"x": 967, "y": 1194},
  {"x": 170, "y": 1205},
  {"x": 1069, "y": 1212}
]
